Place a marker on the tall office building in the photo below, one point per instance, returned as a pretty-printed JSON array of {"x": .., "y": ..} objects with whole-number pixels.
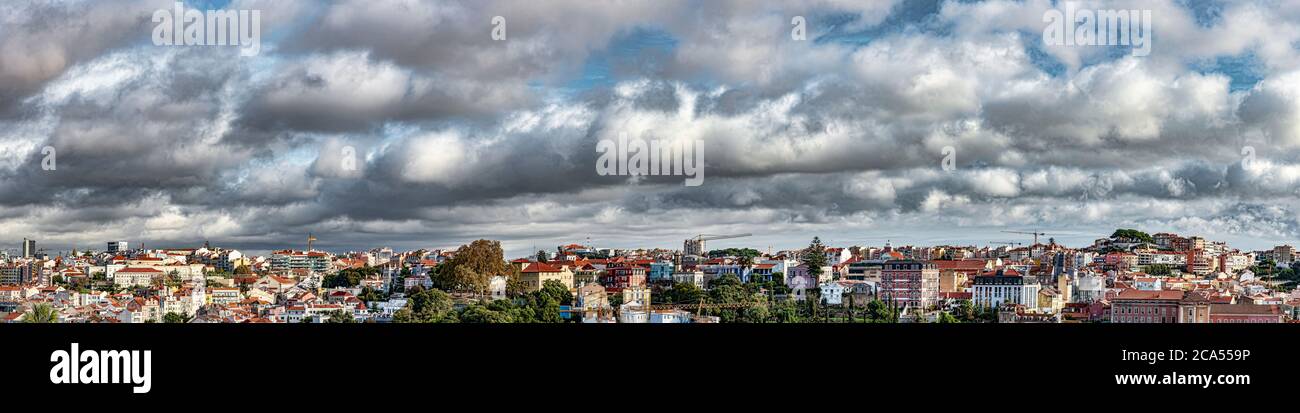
[
  {"x": 118, "y": 246},
  {"x": 29, "y": 248}
]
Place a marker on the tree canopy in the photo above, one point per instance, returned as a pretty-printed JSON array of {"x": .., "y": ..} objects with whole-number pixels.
[
  {"x": 41, "y": 313},
  {"x": 472, "y": 267},
  {"x": 340, "y": 316},
  {"x": 175, "y": 318},
  {"x": 814, "y": 257},
  {"x": 1132, "y": 235},
  {"x": 680, "y": 293},
  {"x": 425, "y": 306},
  {"x": 734, "y": 252},
  {"x": 348, "y": 277}
]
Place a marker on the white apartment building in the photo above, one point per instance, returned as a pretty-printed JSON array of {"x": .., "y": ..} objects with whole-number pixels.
[{"x": 993, "y": 289}]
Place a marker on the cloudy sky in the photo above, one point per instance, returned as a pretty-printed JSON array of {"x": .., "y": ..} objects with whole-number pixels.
[{"x": 458, "y": 136}]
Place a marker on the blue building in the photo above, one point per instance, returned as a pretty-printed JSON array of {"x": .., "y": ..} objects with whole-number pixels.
[{"x": 661, "y": 271}]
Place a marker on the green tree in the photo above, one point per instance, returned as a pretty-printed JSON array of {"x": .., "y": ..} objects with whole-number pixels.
[
  {"x": 175, "y": 318},
  {"x": 543, "y": 305},
  {"x": 728, "y": 289},
  {"x": 426, "y": 306},
  {"x": 945, "y": 318},
  {"x": 879, "y": 312},
  {"x": 967, "y": 312},
  {"x": 370, "y": 294},
  {"x": 547, "y": 310},
  {"x": 776, "y": 283},
  {"x": 472, "y": 266},
  {"x": 340, "y": 317},
  {"x": 785, "y": 311},
  {"x": 918, "y": 316},
  {"x": 557, "y": 291},
  {"x": 735, "y": 252},
  {"x": 1158, "y": 269},
  {"x": 1131, "y": 235},
  {"x": 41, "y": 313},
  {"x": 349, "y": 277},
  {"x": 681, "y": 293},
  {"x": 478, "y": 313},
  {"x": 814, "y": 257}
]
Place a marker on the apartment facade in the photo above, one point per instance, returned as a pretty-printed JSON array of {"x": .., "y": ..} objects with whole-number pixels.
[
  {"x": 909, "y": 284},
  {"x": 1007, "y": 286}
]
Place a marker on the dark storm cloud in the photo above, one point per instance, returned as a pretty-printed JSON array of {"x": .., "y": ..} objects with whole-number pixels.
[
  {"x": 42, "y": 39},
  {"x": 146, "y": 134},
  {"x": 452, "y": 134},
  {"x": 346, "y": 92}
]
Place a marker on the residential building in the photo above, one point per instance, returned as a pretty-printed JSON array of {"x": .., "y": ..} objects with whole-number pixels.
[
  {"x": 1246, "y": 313},
  {"x": 1005, "y": 286},
  {"x": 1199, "y": 263},
  {"x": 591, "y": 298},
  {"x": 800, "y": 279},
  {"x": 661, "y": 271},
  {"x": 497, "y": 287},
  {"x": 136, "y": 277},
  {"x": 635, "y": 294},
  {"x": 909, "y": 284},
  {"x": 623, "y": 276},
  {"x": 693, "y": 277},
  {"x": 865, "y": 270},
  {"x": 535, "y": 274},
  {"x": 286, "y": 261},
  {"x": 1284, "y": 254},
  {"x": 1148, "y": 283},
  {"x": 1138, "y": 306},
  {"x": 116, "y": 247},
  {"x": 953, "y": 274},
  {"x": 670, "y": 317},
  {"x": 832, "y": 293}
]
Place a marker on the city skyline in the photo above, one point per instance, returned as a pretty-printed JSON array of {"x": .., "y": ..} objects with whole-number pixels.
[
  {"x": 429, "y": 124},
  {"x": 997, "y": 238},
  {"x": 358, "y": 201}
]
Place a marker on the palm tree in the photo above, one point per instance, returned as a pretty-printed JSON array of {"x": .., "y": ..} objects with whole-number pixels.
[{"x": 41, "y": 313}]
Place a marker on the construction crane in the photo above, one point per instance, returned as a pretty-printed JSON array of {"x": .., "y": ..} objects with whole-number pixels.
[
  {"x": 1007, "y": 243},
  {"x": 310, "y": 240},
  {"x": 699, "y": 307},
  {"x": 695, "y": 246},
  {"x": 663, "y": 307},
  {"x": 1034, "y": 233}
]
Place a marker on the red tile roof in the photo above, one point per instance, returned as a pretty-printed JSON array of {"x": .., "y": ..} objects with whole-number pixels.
[
  {"x": 1131, "y": 294},
  {"x": 140, "y": 270},
  {"x": 540, "y": 267},
  {"x": 971, "y": 265}
]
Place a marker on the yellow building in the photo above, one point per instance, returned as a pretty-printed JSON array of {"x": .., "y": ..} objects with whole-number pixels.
[{"x": 534, "y": 275}]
